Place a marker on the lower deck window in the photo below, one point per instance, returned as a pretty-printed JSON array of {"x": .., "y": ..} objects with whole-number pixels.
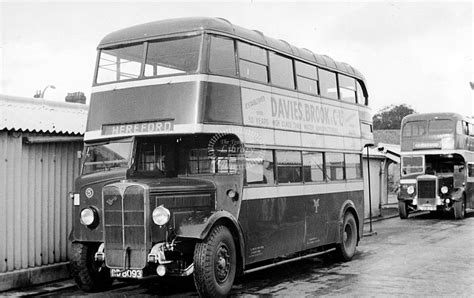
[
  {"x": 289, "y": 166},
  {"x": 353, "y": 166},
  {"x": 259, "y": 166},
  {"x": 313, "y": 165},
  {"x": 335, "y": 166}
]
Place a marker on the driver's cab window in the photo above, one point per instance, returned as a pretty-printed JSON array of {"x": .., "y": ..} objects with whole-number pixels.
[{"x": 156, "y": 158}]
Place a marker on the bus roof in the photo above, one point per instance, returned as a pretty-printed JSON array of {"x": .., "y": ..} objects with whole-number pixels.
[
  {"x": 164, "y": 28},
  {"x": 442, "y": 115}
]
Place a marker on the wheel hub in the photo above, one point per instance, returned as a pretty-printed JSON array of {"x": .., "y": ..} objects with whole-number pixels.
[{"x": 222, "y": 267}]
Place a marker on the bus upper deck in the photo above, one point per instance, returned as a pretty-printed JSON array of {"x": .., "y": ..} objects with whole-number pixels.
[
  {"x": 437, "y": 131},
  {"x": 168, "y": 72}
]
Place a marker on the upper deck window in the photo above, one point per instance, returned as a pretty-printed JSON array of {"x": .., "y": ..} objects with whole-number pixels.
[
  {"x": 253, "y": 63},
  {"x": 118, "y": 64},
  {"x": 306, "y": 77},
  {"x": 414, "y": 129},
  {"x": 347, "y": 88},
  {"x": 440, "y": 126},
  {"x": 174, "y": 56},
  {"x": 222, "y": 56},
  {"x": 361, "y": 99},
  {"x": 281, "y": 71},
  {"x": 327, "y": 83}
]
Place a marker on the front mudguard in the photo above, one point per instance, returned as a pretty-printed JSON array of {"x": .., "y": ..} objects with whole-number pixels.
[
  {"x": 406, "y": 199},
  {"x": 457, "y": 194},
  {"x": 199, "y": 225}
]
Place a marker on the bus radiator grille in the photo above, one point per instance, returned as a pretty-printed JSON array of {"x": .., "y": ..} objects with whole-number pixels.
[
  {"x": 124, "y": 227},
  {"x": 426, "y": 189}
]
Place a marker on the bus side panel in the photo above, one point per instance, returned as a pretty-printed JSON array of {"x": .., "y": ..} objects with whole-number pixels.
[
  {"x": 336, "y": 215},
  {"x": 275, "y": 227},
  {"x": 470, "y": 194},
  {"x": 222, "y": 104},
  {"x": 175, "y": 101},
  {"x": 279, "y": 226}
]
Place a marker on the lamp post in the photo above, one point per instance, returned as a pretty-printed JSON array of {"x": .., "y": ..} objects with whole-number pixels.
[
  {"x": 370, "y": 193},
  {"x": 44, "y": 90}
]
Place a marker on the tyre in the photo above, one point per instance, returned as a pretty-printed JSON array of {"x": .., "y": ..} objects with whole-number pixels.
[
  {"x": 215, "y": 263},
  {"x": 459, "y": 209},
  {"x": 347, "y": 247},
  {"x": 89, "y": 275},
  {"x": 403, "y": 209}
]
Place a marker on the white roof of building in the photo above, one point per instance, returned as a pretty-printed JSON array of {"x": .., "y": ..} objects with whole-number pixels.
[{"x": 41, "y": 115}]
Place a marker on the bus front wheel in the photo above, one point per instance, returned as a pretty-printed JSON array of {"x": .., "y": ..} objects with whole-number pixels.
[
  {"x": 89, "y": 275},
  {"x": 459, "y": 209},
  {"x": 215, "y": 263},
  {"x": 403, "y": 209},
  {"x": 348, "y": 242}
]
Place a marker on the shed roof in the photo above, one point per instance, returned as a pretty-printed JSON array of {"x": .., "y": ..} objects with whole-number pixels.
[
  {"x": 169, "y": 27},
  {"x": 40, "y": 115}
]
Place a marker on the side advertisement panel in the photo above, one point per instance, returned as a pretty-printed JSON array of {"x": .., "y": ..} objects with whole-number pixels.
[{"x": 263, "y": 109}]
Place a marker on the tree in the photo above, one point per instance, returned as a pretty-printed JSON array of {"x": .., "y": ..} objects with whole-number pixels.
[{"x": 391, "y": 117}]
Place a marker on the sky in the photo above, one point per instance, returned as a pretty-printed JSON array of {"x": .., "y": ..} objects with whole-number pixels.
[{"x": 417, "y": 53}]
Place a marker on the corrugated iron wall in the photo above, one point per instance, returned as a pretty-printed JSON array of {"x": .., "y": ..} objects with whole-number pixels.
[{"x": 35, "y": 209}]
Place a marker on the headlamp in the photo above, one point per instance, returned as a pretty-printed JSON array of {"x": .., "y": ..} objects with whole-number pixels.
[
  {"x": 89, "y": 217},
  {"x": 444, "y": 190},
  {"x": 161, "y": 215}
]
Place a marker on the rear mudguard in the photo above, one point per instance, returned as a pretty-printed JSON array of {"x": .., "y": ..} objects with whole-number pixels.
[{"x": 349, "y": 205}]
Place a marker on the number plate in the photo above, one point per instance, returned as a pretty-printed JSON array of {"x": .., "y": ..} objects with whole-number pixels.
[
  {"x": 128, "y": 273},
  {"x": 427, "y": 208}
]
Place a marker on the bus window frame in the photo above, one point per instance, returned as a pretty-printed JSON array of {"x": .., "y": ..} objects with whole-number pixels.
[
  {"x": 99, "y": 53},
  {"x": 208, "y": 46},
  {"x": 239, "y": 59},
  {"x": 337, "y": 98},
  {"x": 277, "y": 166},
  {"x": 423, "y": 165},
  {"x": 322, "y": 168},
  {"x": 201, "y": 62},
  {"x": 425, "y": 132},
  {"x": 299, "y": 75},
  {"x": 341, "y": 77}
]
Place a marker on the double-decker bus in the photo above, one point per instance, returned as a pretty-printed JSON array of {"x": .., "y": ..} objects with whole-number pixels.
[
  {"x": 214, "y": 150},
  {"x": 437, "y": 171}
]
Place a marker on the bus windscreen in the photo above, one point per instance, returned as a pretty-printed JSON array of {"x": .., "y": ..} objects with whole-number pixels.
[{"x": 163, "y": 57}]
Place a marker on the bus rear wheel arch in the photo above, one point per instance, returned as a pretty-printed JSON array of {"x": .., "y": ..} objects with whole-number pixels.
[{"x": 347, "y": 244}]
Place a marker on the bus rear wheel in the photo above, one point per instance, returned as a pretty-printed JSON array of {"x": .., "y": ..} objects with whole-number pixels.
[
  {"x": 459, "y": 209},
  {"x": 215, "y": 263},
  {"x": 348, "y": 242},
  {"x": 89, "y": 275},
  {"x": 403, "y": 209}
]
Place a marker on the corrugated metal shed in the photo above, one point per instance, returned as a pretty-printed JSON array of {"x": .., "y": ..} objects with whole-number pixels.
[
  {"x": 40, "y": 115},
  {"x": 39, "y": 141}
]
